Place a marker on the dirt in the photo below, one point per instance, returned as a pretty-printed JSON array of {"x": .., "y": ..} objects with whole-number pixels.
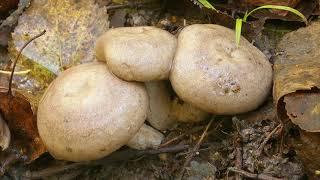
[{"x": 254, "y": 142}]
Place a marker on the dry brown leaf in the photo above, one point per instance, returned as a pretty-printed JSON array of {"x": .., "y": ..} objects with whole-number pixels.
[
  {"x": 6, "y": 5},
  {"x": 304, "y": 110},
  {"x": 72, "y": 29},
  {"x": 307, "y": 147},
  {"x": 297, "y": 68},
  {"x": 17, "y": 112}
]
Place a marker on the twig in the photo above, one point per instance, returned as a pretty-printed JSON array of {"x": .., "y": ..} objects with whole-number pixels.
[
  {"x": 194, "y": 150},
  {"x": 129, "y": 5},
  {"x": 196, "y": 129},
  {"x": 252, "y": 175},
  {"x": 186, "y": 153},
  {"x": 16, "y": 60},
  {"x": 238, "y": 145},
  {"x": 112, "y": 7},
  {"x": 53, "y": 170},
  {"x": 259, "y": 150},
  {"x": 15, "y": 73},
  {"x": 117, "y": 156}
]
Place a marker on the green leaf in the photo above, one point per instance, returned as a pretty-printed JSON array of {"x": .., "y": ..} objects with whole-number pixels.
[
  {"x": 238, "y": 30},
  {"x": 206, "y": 4},
  {"x": 294, "y": 11}
]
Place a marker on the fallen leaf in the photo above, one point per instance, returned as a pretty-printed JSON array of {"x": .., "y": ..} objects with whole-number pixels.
[
  {"x": 304, "y": 110},
  {"x": 15, "y": 109},
  {"x": 297, "y": 70},
  {"x": 72, "y": 29},
  {"x": 17, "y": 112},
  {"x": 10, "y": 22},
  {"x": 6, "y": 5},
  {"x": 265, "y": 112},
  {"x": 306, "y": 145}
]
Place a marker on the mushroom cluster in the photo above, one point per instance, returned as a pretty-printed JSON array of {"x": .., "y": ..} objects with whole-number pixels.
[{"x": 93, "y": 109}]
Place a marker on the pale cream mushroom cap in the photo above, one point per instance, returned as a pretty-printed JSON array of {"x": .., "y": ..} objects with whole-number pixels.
[
  {"x": 212, "y": 73},
  {"x": 137, "y": 53},
  {"x": 87, "y": 113}
]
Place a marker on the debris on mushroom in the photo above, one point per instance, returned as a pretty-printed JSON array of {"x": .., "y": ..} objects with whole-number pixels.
[
  {"x": 87, "y": 113},
  {"x": 137, "y": 53},
  {"x": 159, "y": 105},
  {"x": 186, "y": 112},
  {"x": 164, "y": 112},
  {"x": 146, "y": 138},
  {"x": 209, "y": 70},
  {"x": 5, "y": 135}
]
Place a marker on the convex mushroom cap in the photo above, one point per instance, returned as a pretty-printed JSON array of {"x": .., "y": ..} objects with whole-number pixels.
[
  {"x": 212, "y": 73},
  {"x": 137, "y": 53},
  {"x": 87, "y": 113}
]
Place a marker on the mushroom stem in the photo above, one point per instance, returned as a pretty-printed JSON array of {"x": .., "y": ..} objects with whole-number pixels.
[{"x": 146, "y": 138}]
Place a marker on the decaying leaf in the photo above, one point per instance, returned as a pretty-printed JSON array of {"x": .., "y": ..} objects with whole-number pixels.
[
  {"x": 307, "y": 147},
  {"x": 297, "y": 68},
  {"x": 5, "y": 136},
  {"x": 16, "y": 110},
  {"x": 304, "y": 110},
  {"x": 6, "y": 5},
  {"x": 265, "y": 112},
  {"x": 72, "y": 29}
]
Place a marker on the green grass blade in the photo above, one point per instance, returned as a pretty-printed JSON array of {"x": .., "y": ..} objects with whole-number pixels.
[
  {"x": 206, "y": 4},
  {"x": 238, "y": 30},
  {"x": 294, "y": 11}
]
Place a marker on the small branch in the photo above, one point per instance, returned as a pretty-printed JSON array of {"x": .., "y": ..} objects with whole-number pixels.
[
  {"x": 15, "y": 73},
  {"x": 123, "y": 6},
  {"x": 16, "y": 60},
  {"x": 193, "y": 130},
  {"x": 120, "y": 6},
  {"x": 118, "y": 156},
  {"x": 238, "y": 148},
  {"x": 194, "y": 150},
  {"x": 260, "y": 149},
  {"x": 252, "y": 175},
  {"x": 53, "y": 170}
]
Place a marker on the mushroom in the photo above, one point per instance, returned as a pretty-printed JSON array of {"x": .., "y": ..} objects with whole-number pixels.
[
  {"x": 209, "y": 70},
  {"x": 166, "y": 109},
  {"x": 87, "y": 113},
  {"x": 137, "y": 53},
  {"x": 146, "y": 138},
  {"x": 160, "y": 105},
  {"x": 185, "y": 112},
  {"x": 5, "y": 135}
]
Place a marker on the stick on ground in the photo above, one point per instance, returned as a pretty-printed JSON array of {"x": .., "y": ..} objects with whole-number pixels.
[
  {"x": 194, "y": 150},
  {"x": 252, "y": 175}
]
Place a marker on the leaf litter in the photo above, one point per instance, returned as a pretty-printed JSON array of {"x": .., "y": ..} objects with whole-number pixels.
[{"x": 219, "y": 149}]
